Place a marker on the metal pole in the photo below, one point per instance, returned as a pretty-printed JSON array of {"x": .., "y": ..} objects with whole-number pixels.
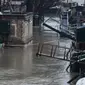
[
  {"x": 67, "y": 1},
  {"x": 84, "y": 2}
]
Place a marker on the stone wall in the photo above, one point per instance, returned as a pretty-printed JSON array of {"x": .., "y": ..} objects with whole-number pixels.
[{"x": 21, "y": 30}]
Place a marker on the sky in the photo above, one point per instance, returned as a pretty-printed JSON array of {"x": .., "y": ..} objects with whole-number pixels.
[{"x": 79, "y": 1}]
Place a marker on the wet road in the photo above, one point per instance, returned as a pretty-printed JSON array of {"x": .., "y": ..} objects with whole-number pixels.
[
  {"x": 17, "y": 60},
  {"x": 21, "y": 66}
]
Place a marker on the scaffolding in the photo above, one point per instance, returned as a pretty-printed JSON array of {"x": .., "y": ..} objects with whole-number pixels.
[{"x": 13, "y": 6}]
